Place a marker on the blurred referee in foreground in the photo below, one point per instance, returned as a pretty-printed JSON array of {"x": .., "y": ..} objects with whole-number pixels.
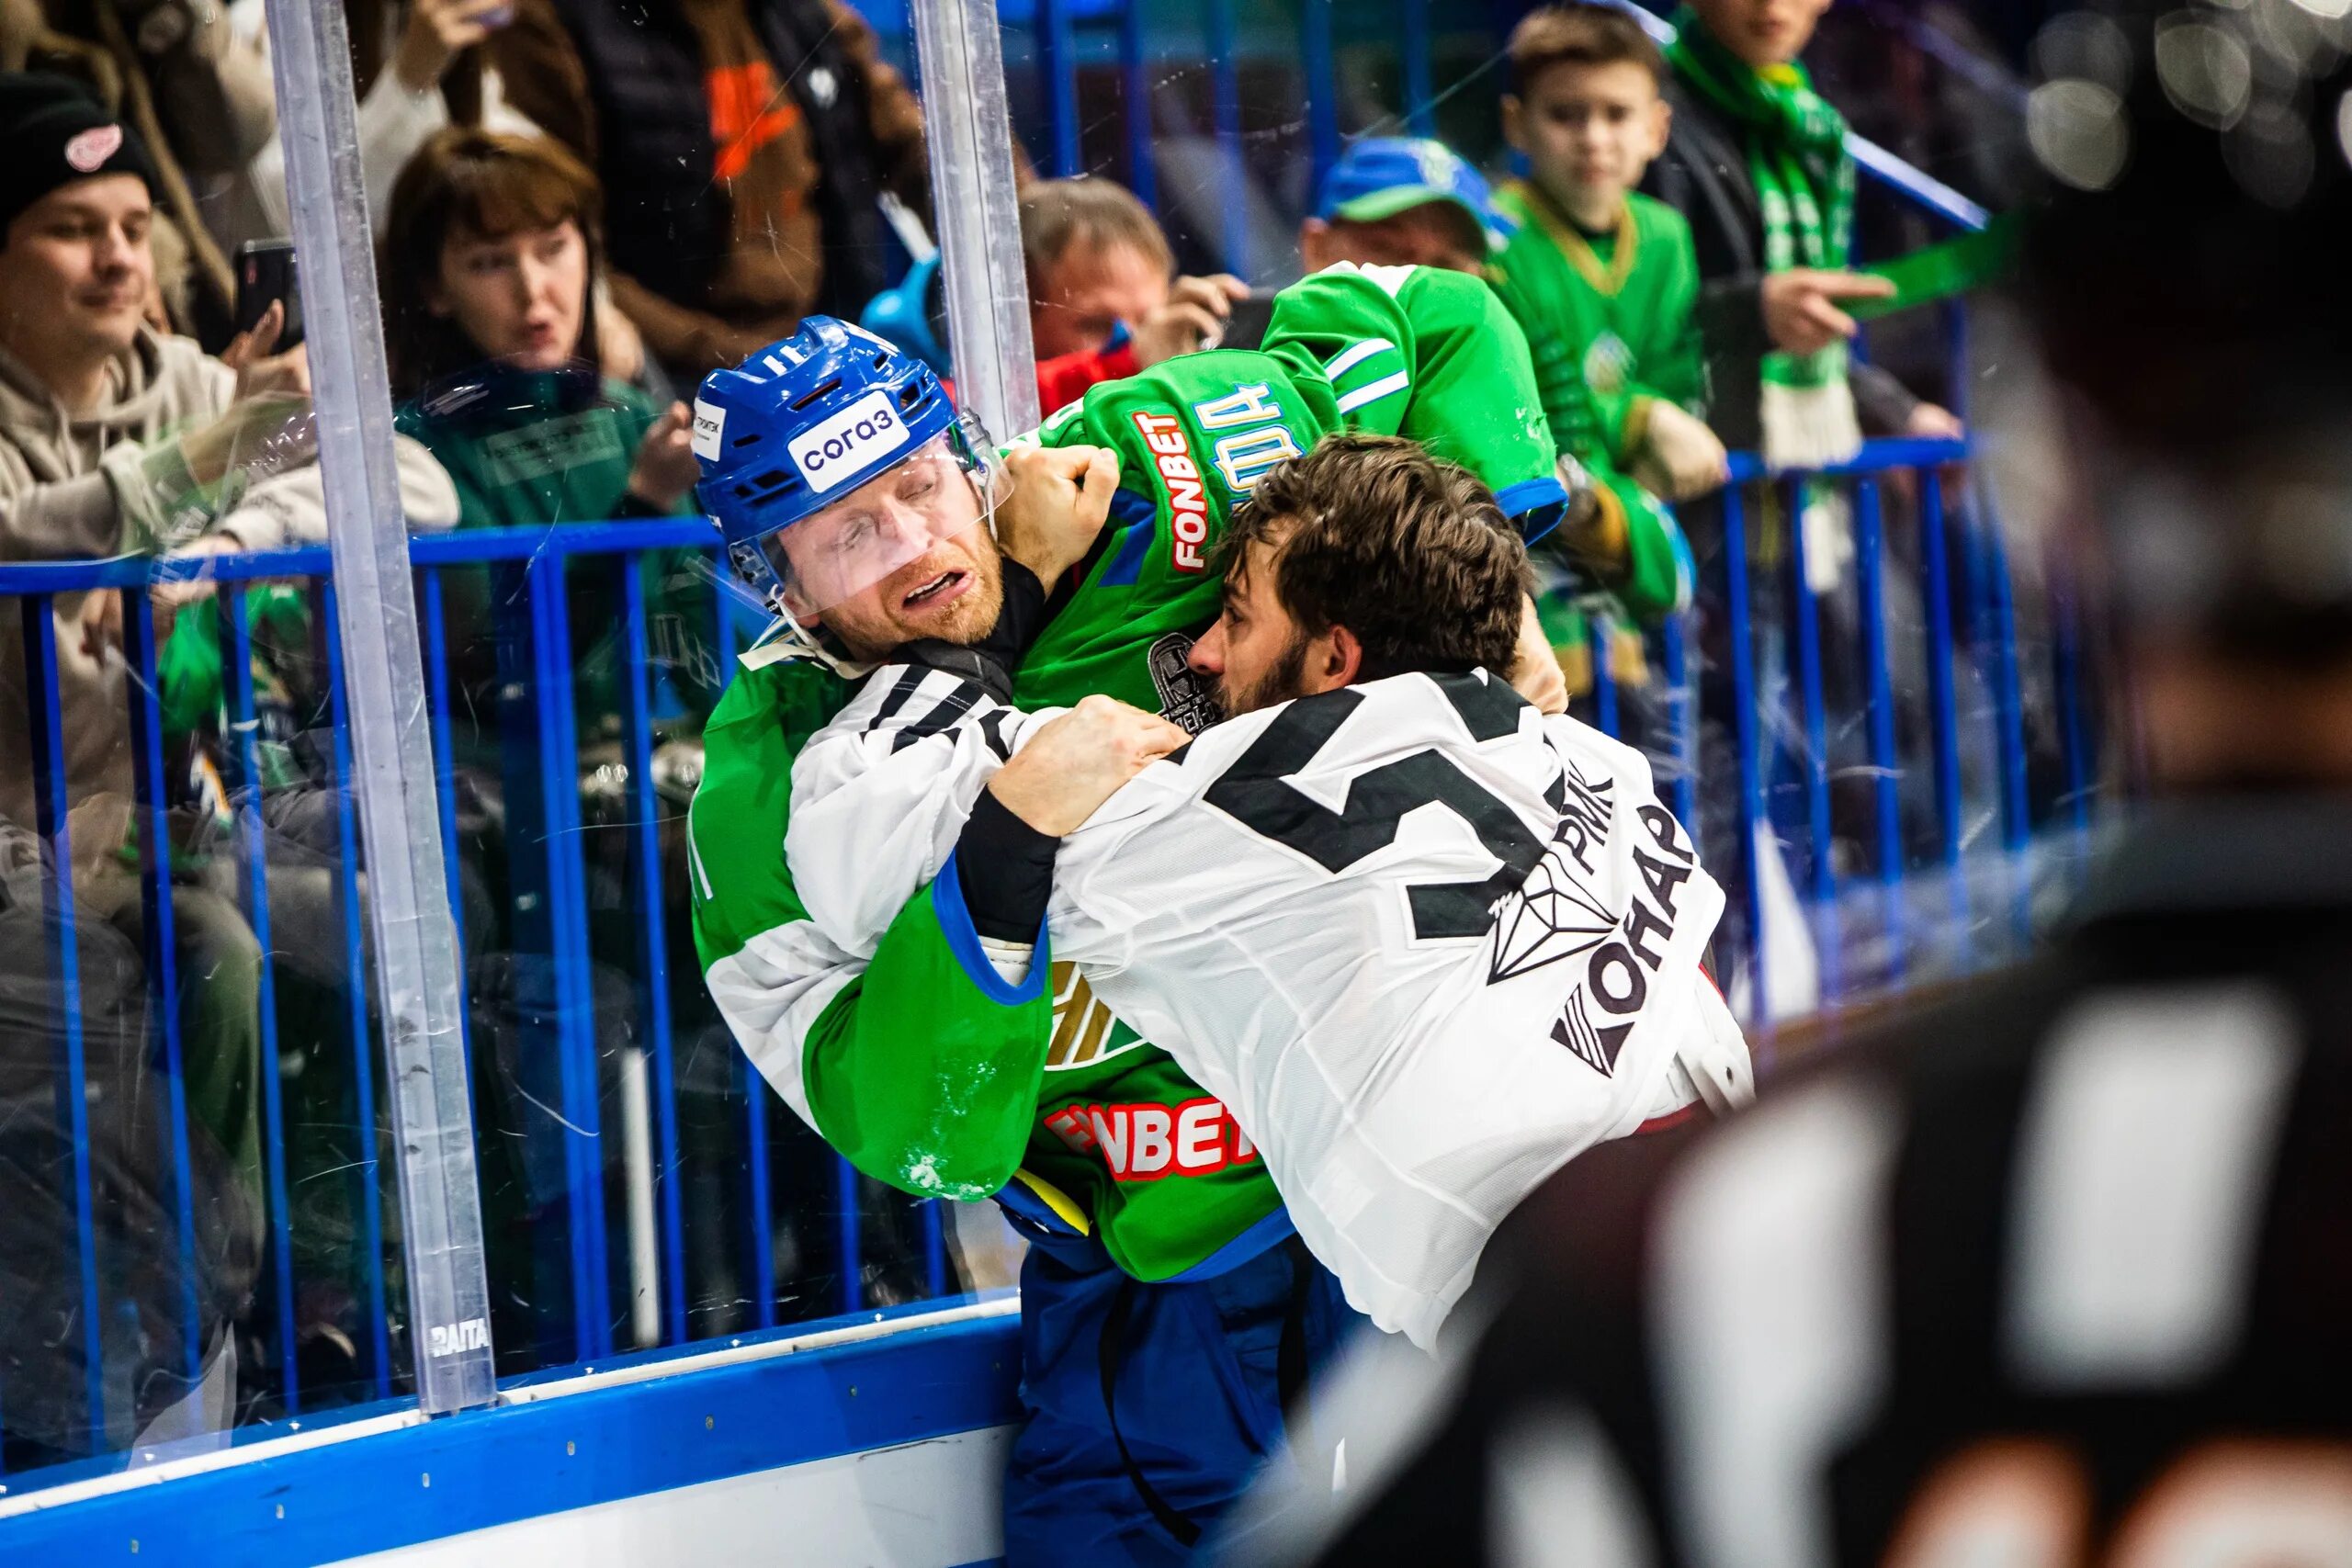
[{"x": 2057, "y": 1271}]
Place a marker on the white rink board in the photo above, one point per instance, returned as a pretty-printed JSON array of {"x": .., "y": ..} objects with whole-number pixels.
[{"x": 936, "y": 1504}]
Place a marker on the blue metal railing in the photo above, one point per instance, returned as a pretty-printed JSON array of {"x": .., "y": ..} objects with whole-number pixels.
[
  {"x": 1981, "y": 648},
  {"x": 1764, "y": 599},
  {"x": 48, "y": 754},
  {"x": 1149, "y": 40},
  {"x": 546, "y": 844}
]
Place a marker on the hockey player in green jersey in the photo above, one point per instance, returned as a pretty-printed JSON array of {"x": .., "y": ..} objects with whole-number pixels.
[
  {"x": 1167, "y": 1311},
  {"x": 1604, "y": 282}
]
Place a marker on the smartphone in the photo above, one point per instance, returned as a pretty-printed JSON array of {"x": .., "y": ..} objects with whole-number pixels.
[
  {"x": 265, "y": 275},
  {"x": 1246, "y": 328}
]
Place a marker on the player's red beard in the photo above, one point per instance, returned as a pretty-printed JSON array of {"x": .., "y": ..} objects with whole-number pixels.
[
  {"x": 876, "y": 619},
  {"x": 1283, "y": 679}
]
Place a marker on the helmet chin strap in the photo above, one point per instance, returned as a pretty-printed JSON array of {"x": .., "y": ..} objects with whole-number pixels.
[
  {"x": 790, "y": 637},
  {"x": 809, "y": 642}
]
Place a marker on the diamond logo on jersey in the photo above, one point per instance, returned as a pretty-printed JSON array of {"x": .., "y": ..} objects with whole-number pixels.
[
  {"x": 1551, "y": 918},
  {"x": 1608, "y": 364},
  {"x": 1187, "y": 699},
  {"x": 1553, "y": 915}
]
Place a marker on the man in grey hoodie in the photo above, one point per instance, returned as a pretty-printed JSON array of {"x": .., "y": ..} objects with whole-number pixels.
[{"x": 114, "y": 439}]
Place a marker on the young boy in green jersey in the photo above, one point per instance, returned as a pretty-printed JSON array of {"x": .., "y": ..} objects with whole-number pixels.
[{"x": 1605, "y": 281}]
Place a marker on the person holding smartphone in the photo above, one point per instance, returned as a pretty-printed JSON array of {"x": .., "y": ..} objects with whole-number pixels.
[
  {"x": 1101, "y": 302},
  {"x": 119, "y": 439},
  {"x": 418, "y": 67}
]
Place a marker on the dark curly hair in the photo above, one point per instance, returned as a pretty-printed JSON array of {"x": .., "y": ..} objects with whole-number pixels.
[{"x": 1410, "y": 553}]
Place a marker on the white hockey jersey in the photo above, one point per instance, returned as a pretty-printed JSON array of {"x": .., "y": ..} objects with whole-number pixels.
[{"x": 1425, "y": 943}]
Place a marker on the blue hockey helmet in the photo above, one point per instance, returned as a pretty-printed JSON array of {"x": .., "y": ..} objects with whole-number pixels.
[{"x": 804, "y": 424}]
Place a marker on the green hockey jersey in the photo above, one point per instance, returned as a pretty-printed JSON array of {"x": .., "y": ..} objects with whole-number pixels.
[
  {"x": 897, "y": 1056},
  {"x": 1612, "y": 324}
]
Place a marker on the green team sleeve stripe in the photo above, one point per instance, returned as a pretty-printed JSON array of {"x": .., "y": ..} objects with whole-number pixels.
[
  {"x": 1348, "y": 359},
  {"x": 1373, "y": 393}
]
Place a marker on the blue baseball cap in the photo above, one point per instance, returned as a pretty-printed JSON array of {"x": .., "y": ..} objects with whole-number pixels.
[{"x": 1380, "y": 176}]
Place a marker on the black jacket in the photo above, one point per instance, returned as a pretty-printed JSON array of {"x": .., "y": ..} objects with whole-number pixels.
[
  {"x": 1703, "y": 175},
  {"x": 666, "y": 219}
]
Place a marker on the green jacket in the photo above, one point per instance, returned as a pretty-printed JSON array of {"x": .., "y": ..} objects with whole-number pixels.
[
  {"x": 529, "y": 450},
  {"x": 1612, "y": 326}
]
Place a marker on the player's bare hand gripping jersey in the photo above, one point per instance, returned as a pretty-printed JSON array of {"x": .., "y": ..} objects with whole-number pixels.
[{"x": 1425, "y": 943}]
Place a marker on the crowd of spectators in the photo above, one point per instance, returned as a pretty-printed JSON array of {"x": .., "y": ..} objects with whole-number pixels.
[{"x": 580, "y": 207}]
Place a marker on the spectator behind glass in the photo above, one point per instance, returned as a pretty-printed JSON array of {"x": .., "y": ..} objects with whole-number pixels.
[
  {"x": 490, "y": 273},
  {"x": 416, "y": 66},
  {"x": 113, "y": 437},
  {"x": 89, "y": 397},
  {"x": 195, "y": 91},
  {"x": 1746, "y": 120},
  {"x": 744, "y": 146},
  {"x": 1603, "y": 283},
  {"x": 490, "y": 269},
  {"x": 1100, "y": 305},
  {"x": 492, "y": 251},
  {"x": 1400, "y": 201}
]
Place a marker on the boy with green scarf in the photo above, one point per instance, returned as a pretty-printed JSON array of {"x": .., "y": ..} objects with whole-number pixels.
[{"x": 1757, "y": 164}]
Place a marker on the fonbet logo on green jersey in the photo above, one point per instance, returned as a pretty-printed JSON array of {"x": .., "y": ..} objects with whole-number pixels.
[
  {"x": 1187, "y": 507},
  {"x": 1145, "y": 1143},
  {"x": 1258, "y": 441}
]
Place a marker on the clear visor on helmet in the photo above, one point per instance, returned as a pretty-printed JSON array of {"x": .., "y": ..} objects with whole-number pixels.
[{"x": 885, "y": 527}]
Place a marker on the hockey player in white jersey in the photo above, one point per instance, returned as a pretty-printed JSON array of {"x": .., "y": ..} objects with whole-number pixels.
[{"x": 1426, "y": 943}]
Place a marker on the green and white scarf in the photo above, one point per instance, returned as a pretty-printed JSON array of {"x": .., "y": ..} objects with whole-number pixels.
[{"x": 1804, "y": 184}]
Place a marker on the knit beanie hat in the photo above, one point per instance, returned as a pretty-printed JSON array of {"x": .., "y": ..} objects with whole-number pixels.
[{"x": 55, "y": 133}]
